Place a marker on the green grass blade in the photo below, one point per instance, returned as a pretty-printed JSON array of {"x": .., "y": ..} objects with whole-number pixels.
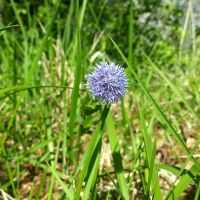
[
  {"x": 174, "y": 88},
  {"x": 37, "y": 146},
  {"x": 82, "y": 13},
  {"x": 68, "y": 28},
  {"x": 68, "y": 192},
  {"x": 115, "y": 148},
  {"x": 18, "y": 18},
  {"x": 153, "y": 180},
  {"x": 172, "y": 169},
  {"x": 150, "y": 154},
  {"x": 187, "y": 176},
  {"x": 178, "y": 138},
  {"x": 52, "y": 180},
  {"x": 11, "y": 177},
  {"x": 131, "y": 34},
  {"x": 198, "y": 191},
  {"x": 19, "y": 88},
  {"x": 8, "y": 27},
  {"x": 92, "y": 178},
  {"x": 184, "y": 181},
  {"x": 40, "y": 49},
  {"x": 85, "y": 162},
  {"x": 147, "y": 140},
  {"x": 77, "y": 80}
]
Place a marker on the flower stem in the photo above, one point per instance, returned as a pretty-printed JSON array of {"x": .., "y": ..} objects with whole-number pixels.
[
  {"x": 91, "y": 155},
  {"x": 104, "y": 115},
  {"x": 96, "y": 154}
]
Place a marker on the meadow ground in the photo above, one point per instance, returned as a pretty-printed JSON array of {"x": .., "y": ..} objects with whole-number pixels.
[{"x": 58, "y": 142}]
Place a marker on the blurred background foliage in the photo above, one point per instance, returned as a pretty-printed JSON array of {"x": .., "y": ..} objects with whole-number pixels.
[{"x": 156, "y": 22}]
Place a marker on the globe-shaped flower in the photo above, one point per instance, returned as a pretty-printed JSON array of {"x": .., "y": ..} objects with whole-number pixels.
[{"x": 108, "y": 82}]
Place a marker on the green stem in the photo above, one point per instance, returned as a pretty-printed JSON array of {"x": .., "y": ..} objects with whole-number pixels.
[
  {"x": 104, "y": 115},
  {"x": 90, "y": 156}
]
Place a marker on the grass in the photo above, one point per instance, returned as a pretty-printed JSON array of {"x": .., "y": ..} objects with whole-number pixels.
[{"x": 59, "y": 143}]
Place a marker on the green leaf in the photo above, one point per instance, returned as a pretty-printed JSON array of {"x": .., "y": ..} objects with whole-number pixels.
[{"x": 115, "y": 148}]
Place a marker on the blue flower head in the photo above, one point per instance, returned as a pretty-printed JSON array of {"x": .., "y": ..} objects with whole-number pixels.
[{"x": 108, "y": 82}]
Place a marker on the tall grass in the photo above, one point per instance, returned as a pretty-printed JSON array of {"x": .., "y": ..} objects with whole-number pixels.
[{"x": 53, "y": 133}]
